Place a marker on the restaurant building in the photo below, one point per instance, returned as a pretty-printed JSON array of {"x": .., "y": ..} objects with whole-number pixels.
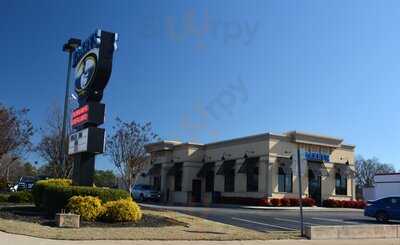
[{"x": 258, "y": 166}]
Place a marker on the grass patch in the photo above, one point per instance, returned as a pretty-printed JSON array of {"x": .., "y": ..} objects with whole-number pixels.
[{"x": 155, "y": 225}]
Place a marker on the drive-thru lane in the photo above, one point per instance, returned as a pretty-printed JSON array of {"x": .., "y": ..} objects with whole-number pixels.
[{"x": 270, "y": 220}]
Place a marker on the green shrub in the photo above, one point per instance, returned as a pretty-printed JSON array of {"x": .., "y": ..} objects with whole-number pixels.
[
  {"x": 53, "y": 197},
  {"x": 40, "y": 185},
  {"x": 20, "y": 197},
  {"x": 124, "y": 210},
  {"x": 88, "y": 207},
  {"x": 4, "y": 198}
]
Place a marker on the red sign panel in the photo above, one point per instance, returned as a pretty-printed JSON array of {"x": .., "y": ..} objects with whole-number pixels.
[
  {"x": 80, "y": 115},
  {"x": 92, "y": 113},
  {"x": 82, "y": 110}
]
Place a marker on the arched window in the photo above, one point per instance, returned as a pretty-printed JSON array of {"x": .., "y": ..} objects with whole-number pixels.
[{"x": 284, "y": 180}]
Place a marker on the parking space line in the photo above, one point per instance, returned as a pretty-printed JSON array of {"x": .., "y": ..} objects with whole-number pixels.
[
  {"x": 335, "y": 220},
  {"x": 294, "y": 221},
  {"x": 264, "y": 224}
]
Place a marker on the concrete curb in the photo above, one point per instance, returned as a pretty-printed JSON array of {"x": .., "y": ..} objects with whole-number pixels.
[
  {"x": 342, "y": 232},
  {"x": 306, "y": 209}
]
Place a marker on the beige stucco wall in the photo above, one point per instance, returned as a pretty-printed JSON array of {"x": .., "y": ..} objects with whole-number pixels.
[
  {"x": 268, "y": 147},
  {"x": 342, "y": 155},
  {"x": 236, "y": 150},
  {"x": 190, "y": 170}
]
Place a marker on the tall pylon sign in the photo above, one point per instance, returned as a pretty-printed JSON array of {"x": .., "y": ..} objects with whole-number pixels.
[{"x": 92, "y": 62}]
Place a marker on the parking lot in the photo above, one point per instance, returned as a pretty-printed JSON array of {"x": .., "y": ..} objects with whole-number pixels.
[{"x": 272, "y": 220}]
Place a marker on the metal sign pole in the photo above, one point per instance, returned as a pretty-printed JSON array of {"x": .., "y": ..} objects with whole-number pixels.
[
  {"x": 64, "y": 122},
  {"x": 300, "y": 192}
]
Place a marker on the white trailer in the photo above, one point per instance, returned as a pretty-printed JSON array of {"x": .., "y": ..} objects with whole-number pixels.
[{"x": 385, "y": 185}]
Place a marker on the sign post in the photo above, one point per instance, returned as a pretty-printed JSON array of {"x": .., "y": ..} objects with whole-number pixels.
[
  {"x": 92, "y": 61},
  {"x": 299, "y": 175}
]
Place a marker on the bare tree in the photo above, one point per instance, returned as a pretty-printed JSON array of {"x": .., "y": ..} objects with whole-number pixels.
[
  {"x": 15, "y": 131},
  {"x": 15, "y": 134},
  {"x": 7, "y": 163},
  {"x": 125, "y": 147},
  {"x": 49, "y": 146},
  {"x": 366, "y": 169}
]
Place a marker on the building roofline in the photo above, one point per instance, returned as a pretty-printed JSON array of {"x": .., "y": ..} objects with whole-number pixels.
[
  {"x": 288, "y": 136},
  {"x": 387, "y": 174},
  {"x": 312, "y": 135},
  {"x": 233, "y": 140},
  {"x": 162, "y": 145},
  {"x": 348, "y": 146}
]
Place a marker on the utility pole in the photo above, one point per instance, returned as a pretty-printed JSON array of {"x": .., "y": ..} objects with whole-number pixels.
[
  {"x": 69, "y": 47},
  {"x": 300, "y": 192}
]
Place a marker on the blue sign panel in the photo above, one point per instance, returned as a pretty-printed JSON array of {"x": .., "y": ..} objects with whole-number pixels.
[
  {"x": 93, "y": 64},
  {"x": 316, "y": 156}
]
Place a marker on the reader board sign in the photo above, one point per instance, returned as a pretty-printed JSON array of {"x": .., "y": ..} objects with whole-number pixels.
[{"x": 89, "y": 140}]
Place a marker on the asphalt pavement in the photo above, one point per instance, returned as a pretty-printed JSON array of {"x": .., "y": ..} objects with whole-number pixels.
[{"x": 271, "y": 220}]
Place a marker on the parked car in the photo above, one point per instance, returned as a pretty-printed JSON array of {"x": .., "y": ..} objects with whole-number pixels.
[
  {"x": 13, "y": 187},
  {"x": 384, "y": 209},
  {"x": 145, "y": 192},
  {"x": 26, "y": 183}
]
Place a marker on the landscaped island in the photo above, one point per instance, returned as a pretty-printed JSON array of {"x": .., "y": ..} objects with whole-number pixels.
[{"x": 111, "y": 214}]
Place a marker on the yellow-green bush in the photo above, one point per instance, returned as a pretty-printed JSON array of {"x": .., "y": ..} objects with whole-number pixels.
[
  {"x": 88, "y": 207},
  {"x": 59, "y": 182},
  {"x": 123, "y": 210}
]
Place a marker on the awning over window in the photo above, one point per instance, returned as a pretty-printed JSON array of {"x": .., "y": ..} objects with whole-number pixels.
[
  {"x": 226, "y": 167},
  {"x": 318, "y": 168},
  {"x": 177, "y": 167},
  {"x": 345, "y": 170},
  {"x": 285, "y": 164},
  {"x": 249, "y": 165},
  {"x": 207, "y": 167},
  {"x": 154, "y": 170}
]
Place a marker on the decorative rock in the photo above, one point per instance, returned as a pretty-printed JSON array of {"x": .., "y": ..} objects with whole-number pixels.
[{"x": 67, "y": 220}]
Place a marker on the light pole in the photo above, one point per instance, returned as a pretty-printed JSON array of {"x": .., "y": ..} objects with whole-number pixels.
[{"x": 69, "y": 47}]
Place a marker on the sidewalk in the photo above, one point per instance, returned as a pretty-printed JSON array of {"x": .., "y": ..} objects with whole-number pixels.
[
  {"x": 307, "y": 209},
  {"x": 6, "y": 238}
]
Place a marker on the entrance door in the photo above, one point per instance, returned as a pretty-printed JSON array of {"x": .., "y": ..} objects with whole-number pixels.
[
  {"x": 157, "y": 183},
  {"x": 196, "y": 190},
  {"x": 314, "y": 187}
]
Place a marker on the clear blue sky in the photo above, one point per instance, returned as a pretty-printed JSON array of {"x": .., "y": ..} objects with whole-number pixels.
[{"x": 325, "y": 67}]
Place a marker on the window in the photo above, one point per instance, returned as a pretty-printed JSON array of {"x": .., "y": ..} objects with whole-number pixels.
[
  {"x": 157, "y": 183},
  {"x": 284, "y": 181},
  {"x": 340, "y": 184},
  {"x": 252, "y": 179},
  {"x": 229, "y": 185},
  {"x": 209, "y": 181},
  {"x": 178, "y": 179},
  {"x": 394, "y": 202}
]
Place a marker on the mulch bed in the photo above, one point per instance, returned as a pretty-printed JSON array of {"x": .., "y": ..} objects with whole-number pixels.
[{"x": 34, "y": 215}]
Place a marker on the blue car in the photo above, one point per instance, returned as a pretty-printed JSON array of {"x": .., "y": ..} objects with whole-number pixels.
[{"x": 384, "y": 209}]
